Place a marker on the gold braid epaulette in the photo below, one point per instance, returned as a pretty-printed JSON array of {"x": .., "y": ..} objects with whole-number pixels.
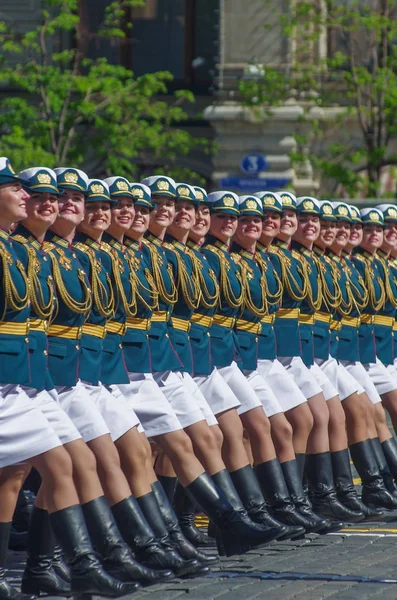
[
  {"x": 225, "y": 287},
  {"x": 20, "y": 238},
  {"x": 11, "y": 296},
  {"x": 169, "y": 297},
  {"x": 104, "y": 301},
  {"x": 187, "y": 283}
]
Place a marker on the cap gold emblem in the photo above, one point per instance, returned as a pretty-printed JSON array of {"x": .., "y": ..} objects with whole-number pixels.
[
  {"x": 269, "y": 200},
  {"x": 122, "y": 185},
  {"x": 286, "y": 200},
  {"x": 228, "y": 201},
  {"x": 327, "y": 209},
  {"x": 184, "y": 192},
  {"x": 97, "y": 188},
  {"x": 44, "y": 178},
  {"x": 343, "y": 210},
  {"x": 199, "y": 195},
  {"x": 71, "y": 177},
  {"x": 251, "y": 204},
  {"x": 137, "y": 192},
  {"x": 373, "y": 216},
  {"x": 392, "y": 212},
  {"x": 308, "y": 205},
  {"x": 163, "y": 186}
]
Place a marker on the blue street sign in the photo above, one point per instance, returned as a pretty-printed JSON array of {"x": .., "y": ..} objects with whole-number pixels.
[
  {"x": 255, "y": 184},
  {"x": 253, "y": 163}
]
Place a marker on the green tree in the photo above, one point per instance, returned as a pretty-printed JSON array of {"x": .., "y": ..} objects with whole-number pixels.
[
  {"x": 355, "y": 82},
  {"x": 63, "y": 108}
]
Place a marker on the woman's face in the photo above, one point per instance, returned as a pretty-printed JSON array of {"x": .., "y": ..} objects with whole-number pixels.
[
  {"x": 42, "y": 209},
  {"x": 203, "y": 221},
  {"x": 308, "y": 229},
  {"x": 372, "y": 237},
  {"x": 249, "y": 229},
  {"x": 342, "y": 236},
  {"x": 97, "y": 217},
  {"x": 327, "y": 234},
  {"x": 185, "y": 215},
  {"x": 356, "y": 234},
  {"x": 164, "y": 211},
  {"x": 390, "y": 237},
  {"x": 222, "y": 226},
  {"x": 289, "y": 223},
  {"x": 123, "y": 213},
  {"x": 270, "y": 226},
  {"x": 71, "y": 207},
  {"x": 141, "y": 220}
]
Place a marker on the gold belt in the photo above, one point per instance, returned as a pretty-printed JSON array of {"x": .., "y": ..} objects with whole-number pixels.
[
  {"x": 114, "y": 327},
  {"x": 38, "y": 325},
  {"x": 63, "y": 331},
  {"x": 335, "y": 325},
  {"x": 287, "y": 313},
  {"x": 243, "y": 325},
  {"x": 223, "y": 321},
  {"x": 160, "y": 316},
  {"x": 351, "y": 321},
  {"x": 12, "y": 328},
  {"x": 306, "y": 319},
  {"x": 98, "y": 331},
  {"x": 137, "y": 323},
  {"x": 387, "y": 321},
  {"x": 323, "y": 317},
  {"x": 395, "y": 326},
  {"x": 203, "y": 320},
  {"x": 180, "y": 324},
  {"x": 367, "y": 319},
  {"x": 269, "y": 319}
]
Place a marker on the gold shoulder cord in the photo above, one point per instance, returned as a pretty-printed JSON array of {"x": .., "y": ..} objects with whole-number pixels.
[
  {"x": 375, "y": 303},
  {"x": 152, "y": 292},
  {"x": 272, "y": 299},
  {"x": 67, "y": 299},
  {"x": 315, "y": 303},
  {"x": 225, "y": 287},
  {"x": 388, "y": 289},
  {"x": 188, "y": 283},
  {"x": 42, "y": 309},
  {"x": 12, "y": 298},
  {"x": 207, "y": 299},
  {"x": 130, "y": 308},
  {"x": 103, "y": 300},
  {"x": 258, "y": 311},
  {"x": 168, "y": 297},
  {"x": 330, "y": 298},
  {"x": 360, "y": 296},
  {"x": 296, "y": 291}
]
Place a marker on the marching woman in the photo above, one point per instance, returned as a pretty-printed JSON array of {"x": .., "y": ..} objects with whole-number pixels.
[
  {"x": 162, "y": 423},
  {"x": 26, "y": 434}
]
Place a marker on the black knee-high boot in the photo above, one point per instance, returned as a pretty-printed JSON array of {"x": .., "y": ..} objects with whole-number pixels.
[
  {"x": 118, "y": 559},
  {"x": 39, "y": 574},
  {"x": 345, "y": 490},
  {"x": 374, "y": 493},
  {"x": 389, "y": 448},
  {"x": 143, "y": 540},
  {"x": 6, "y": 591},
  {"x": 169, "y": 485},
  {"x": 322, "y": 490},
  {"x": 185, "y": 510},
  {"x": 236, "y": 533},
  {"x": 383, "y": 466},
  {"x": 178, "y": 540},
  {"x": 88, "y": 575}
]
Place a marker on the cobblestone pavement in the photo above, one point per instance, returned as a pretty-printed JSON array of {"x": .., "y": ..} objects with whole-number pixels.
[{"x": 358, "y": 563}]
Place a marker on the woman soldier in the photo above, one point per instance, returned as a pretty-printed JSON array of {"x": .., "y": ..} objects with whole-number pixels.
[
  {"x": 161, "y": 423},
  {"x": 26, "y": 434}
]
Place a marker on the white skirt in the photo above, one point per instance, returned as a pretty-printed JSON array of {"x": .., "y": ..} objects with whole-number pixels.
[
  {"x": 282, "y": 384},
  {"x": 302, "y": 375},
  {"x": 80, "y": 407},
  {"x": 392, "y": 369},
  {"x": 344, "y": 383},
  {"x": 263, "y": 391},
  {"x": 55, "y": 415},
  {"x": 239, "y": 385},
  {"x": 24, "y": 430},
  {"x": 328, "y": 389},
  {"x": 381, "y": 378},
  {"x": 360, "y": 374},
  {"x": 217, "y": 392}
]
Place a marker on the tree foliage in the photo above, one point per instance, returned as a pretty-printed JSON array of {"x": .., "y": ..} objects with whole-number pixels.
[
  {"x": 64, "y": 108},
  {"x": 355, "y": 82}
]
